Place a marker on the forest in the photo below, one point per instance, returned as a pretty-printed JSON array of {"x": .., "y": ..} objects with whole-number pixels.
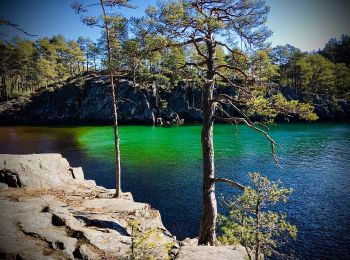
[{"x": 30, "y": 65}]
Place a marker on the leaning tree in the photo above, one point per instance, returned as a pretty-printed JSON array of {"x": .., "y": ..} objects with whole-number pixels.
[
  {"x": 207, "y": 25},
  {"x": 107, "y": 22}
]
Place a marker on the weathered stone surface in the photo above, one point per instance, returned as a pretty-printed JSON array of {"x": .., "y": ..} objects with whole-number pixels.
[
  {"x": 77, "y": 173},
  {"x": 211, "y": 253},
  {"x": 3, "y": 186},
  {"x": 34, "y": 170},
  {"x": 66, "y": 221},
  {"x": 76, "y": 219},
  {"x": 13, "y": 241},
  {"x": 114, "y": 205},
  {"x": 189, "y": 242},
  {"x": 87, "y": 252}
]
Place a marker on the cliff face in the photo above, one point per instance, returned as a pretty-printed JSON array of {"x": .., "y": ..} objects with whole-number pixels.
[
  {"x": 49, "y": 211},
  {"x": 86, "y": 100}
]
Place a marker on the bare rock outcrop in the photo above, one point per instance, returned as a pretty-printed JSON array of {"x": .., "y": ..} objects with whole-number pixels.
[
  {"x": 49, "y": 211},
  {"x": 37, "y": 170}
]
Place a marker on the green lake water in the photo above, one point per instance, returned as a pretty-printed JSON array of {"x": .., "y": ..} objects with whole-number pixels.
[{"x": 162, "y": 166}]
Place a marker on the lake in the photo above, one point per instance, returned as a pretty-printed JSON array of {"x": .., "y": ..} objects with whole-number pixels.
[{"x": 162, "y": 166}]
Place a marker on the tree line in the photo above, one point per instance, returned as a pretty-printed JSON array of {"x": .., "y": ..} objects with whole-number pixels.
[
  {"x": 325, "y": 72},
  {"x": 28, "y": 65}
]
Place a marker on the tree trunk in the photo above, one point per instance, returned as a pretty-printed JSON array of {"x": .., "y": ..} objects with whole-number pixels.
[
  {"x": 116, "y": 139},
  {"x": 207, "y": 233},
  {"x": 209, "y": 207},
  {"x": 12, "y": 86},
  {"x": 134, "y": 74},
  {"x": 4, "y": 88},
  {"x": 87, "y": 61},
  {"x": 114, "y": 108}
]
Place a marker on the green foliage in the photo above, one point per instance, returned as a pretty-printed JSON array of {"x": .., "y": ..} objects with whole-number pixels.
[
  {"x": 148, "y": 244},
  {"x": 27, "y": 65},
  {"x": 263, "y": 66},
  {"x": 338, "y": 51},
  {"x": 251, "y": 222},
  {"x": 342, "y": 80},
  {"x": 270, "y": 107},
  {"x": 320, "y": 74},
  {"x": 325, "y": 74}
]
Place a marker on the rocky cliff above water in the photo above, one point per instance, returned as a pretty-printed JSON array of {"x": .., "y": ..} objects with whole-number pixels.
[
  {"x": 49, "y": 211},
  {"x": 86, "y": 100}
]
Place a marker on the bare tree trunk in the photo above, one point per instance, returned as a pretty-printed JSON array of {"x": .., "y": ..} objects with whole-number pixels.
[
  {"x": 209, "y": 207},
  {"x": 87, "y": 61},
  {"x": 207, "y": 233},
  {"x": 12, "y": 86},
  {"x": 114, "y": 109},
  {"x": 134, "y": 74},
  {"x": 257, "y": 241},
  {"x": 4, "y": 88}
]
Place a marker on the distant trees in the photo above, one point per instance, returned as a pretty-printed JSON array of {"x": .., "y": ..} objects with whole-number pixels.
[
  {"x": 338, "y": 51},
  {"x": 28, "y": 65},
  {"x": 263, "y": 67},
  {"x": 325, "y": 73}
]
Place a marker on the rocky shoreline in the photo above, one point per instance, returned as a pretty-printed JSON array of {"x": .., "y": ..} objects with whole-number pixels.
[
  {"x": 49, "y": 211},
  {"x": 86, "y": 100}
]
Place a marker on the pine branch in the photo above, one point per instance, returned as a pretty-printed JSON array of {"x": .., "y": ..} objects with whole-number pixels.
[
  {"x": 230, "y": 182},
  {"x": 16, "y": 26}
]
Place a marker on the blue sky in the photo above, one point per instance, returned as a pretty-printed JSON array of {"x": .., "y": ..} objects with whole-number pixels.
[{"x": 306, "y": 24}]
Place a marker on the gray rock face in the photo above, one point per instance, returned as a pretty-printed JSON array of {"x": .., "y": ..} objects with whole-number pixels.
[
  {"x": 34, "y": 170},
  {"x": 211, "y": 253},
  {"x": 87, "y": 100},
  {"x": 3, "y": 186},
  {"x": 48, "y": 211},
  {"x": 77, "y": 173},
  {"x": 53, "y": 213}
]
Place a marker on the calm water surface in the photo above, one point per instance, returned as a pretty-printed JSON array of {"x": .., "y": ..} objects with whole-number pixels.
[{"x": 162, "y": 166}]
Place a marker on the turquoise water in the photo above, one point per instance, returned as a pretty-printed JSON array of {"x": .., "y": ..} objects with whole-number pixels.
[{"x": 162, "y": 166}]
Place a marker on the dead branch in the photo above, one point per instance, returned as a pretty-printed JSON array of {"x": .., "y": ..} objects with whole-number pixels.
[
  {"x": 192, "y": 64},
  {"x": 230, "y": 182},
  {"x": 198, "y": 50},
  {"x": 250, "y": 125},
  {"x": 172, "y": 44},
  {"x": 231, "y": 83},
  {"x": 232, "y": 50},
  {"x": 233, "y": 68},
  {"x": 16, "y": 26}
]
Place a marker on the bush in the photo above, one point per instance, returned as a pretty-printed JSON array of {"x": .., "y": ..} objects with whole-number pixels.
[
  {"x": 251, "y": 223},
  {"x": 147, "y": 245}
]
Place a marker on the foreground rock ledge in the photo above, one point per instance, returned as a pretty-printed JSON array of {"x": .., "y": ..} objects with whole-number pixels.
[{"x": 49, "y": 211}]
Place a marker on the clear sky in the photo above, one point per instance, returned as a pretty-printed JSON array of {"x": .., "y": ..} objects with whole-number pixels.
[{"x": 306, "y": 24}]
